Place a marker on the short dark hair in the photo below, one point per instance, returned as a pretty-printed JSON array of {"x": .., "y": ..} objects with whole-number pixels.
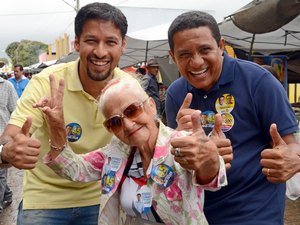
[
  {"x": 100, "y": 11},
  {"x": 190, "y": 20},
  {"x": 20, "y": 66}
]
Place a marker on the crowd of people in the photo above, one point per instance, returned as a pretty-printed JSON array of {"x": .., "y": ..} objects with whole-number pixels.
[{"x": 99, "y": 127}]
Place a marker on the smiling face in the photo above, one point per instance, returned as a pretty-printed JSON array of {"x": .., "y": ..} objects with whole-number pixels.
[
  {"x": 198, "y": 56},
  {"x": 139, "y": 131},
  {"x": 100, "y": 46}
]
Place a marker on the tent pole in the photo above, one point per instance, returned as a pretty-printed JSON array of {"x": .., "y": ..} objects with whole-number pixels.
[
  {"x": 251, "y": 47},
  {"x": 146, "y": 55}
]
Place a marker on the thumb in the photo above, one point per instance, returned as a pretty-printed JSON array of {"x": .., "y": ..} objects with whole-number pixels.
[
  {"x": 26, "y": 127},
  {"x": 196, "y": 125},
  {"x": 275, "y": 136},
  {"x": 217, "y": 131},
  {"x": 187, "y": 101}
]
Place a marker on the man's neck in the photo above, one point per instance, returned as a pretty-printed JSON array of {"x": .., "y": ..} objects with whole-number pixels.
[{"x": 18, "y": 79}]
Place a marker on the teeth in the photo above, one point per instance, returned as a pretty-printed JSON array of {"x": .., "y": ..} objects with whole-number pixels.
[
  {"x": 199, "y": 72},
  {"x": 99, "y": 63}
]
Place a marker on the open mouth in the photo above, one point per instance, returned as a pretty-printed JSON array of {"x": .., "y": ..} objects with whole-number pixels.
[
  {"x": 200, "y": 72},
  {"x": 99, "y": 63}
]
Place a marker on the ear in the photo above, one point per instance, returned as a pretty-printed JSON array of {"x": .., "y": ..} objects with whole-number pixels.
[
  {"x": 152, "y": 106},
  {"x": 124, "y": 43},
  {"x": 172, "y": 56},
  {"x": 222, "y": 44},
  {"x": 76, "y": 44}
]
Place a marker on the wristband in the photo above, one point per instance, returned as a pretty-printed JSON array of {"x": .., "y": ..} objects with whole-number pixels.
[{"x": 57, "y": 148}]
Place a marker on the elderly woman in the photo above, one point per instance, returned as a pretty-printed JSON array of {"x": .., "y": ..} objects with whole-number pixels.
[{"x": 150, "y": 174}]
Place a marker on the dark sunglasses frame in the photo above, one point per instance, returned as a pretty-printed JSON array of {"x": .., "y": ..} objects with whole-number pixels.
[{"x": 115, "y": 123}]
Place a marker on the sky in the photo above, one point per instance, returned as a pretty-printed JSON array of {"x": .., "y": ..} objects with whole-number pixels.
[{"x": 47, "y": 20}]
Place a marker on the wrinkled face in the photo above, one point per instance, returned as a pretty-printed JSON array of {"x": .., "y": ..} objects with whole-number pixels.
[
  {"x": 136, "y": 131},
  {"x": 198, "y": 57},
  {"x": 100, "y": 46},
  {"x": 153, "y": 70},
  {"x": 18, "y": 73}
]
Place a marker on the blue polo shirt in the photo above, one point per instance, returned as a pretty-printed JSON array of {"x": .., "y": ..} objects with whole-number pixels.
[
  {"x": 255, "y": 101},
  {"x": 19, "y": 85}
]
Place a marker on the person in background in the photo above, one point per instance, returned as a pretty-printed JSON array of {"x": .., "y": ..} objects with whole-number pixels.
[
  {"x": 147, "y": 159},
  {"x": 8, "y": 101},
  {"x": 100, "y": 31},
  {"x": 266, "y": 153},
  {"x": 19, "y": 80},
  {"x": 271, "y": 70},
  {"x": 151, "y": 85}
]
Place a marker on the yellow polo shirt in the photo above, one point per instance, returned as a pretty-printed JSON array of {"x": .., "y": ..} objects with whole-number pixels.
[{"x": 42, "y": 188}]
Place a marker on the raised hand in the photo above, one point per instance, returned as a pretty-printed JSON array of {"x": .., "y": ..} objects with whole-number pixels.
[
  {"x": 22, "y": 151},
  {"x": 52, "y": 108},
  {"x": 280, "y": 162},
  {"x": 183, "y": 118},
  {"x": 223, "y": 143},
  {"x": 197, "y": 152}
]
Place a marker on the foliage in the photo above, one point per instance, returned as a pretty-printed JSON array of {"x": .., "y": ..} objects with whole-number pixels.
[
  {"x": 4, "y": 60},
  {"x": 25, "y": 52}
]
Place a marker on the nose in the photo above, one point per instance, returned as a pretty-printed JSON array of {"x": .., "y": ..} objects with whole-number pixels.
[
  {"x": 127, "y": 123},
  {"x": 196, "y": 60},
  {"x": 100, "y": 50}
]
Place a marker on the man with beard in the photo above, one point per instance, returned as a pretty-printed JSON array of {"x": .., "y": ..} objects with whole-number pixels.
[{"x": 100, "y": 31}]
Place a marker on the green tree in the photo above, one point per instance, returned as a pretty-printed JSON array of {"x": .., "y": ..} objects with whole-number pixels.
[
  {"x": 4, "y": 60},
  {"x": 25, "y": 52}
]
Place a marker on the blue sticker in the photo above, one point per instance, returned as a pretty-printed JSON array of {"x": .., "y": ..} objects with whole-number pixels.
[
  {"x": 162, "y": 175},
  {"x": 108, "y": 182},
  {"x": 74, "y": 132},
  {"x": 207, "y": 119}
]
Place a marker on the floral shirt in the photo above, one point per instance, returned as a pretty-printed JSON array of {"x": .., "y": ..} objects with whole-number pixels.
[{"x": 178, "y": 199}]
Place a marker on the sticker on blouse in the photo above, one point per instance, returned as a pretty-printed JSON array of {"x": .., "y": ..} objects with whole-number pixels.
[
  {"x": 162, "y": 175},
  {"x": 111, "y": 165},
  {"x": 225, "y": 103},
  {"x": 108, "y": 182},
  {"x": 142, "y": 201},
  {"x": 73, "y": 131}
]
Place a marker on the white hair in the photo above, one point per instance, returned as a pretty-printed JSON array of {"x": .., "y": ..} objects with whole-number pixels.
[{"x": 120, "y": 86}]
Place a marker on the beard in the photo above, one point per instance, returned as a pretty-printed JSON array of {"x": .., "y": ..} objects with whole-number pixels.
[{"x": 98, "y": 76}]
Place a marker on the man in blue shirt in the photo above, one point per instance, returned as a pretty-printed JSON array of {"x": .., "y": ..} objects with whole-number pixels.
[
  {"x": 259, "y": 121},
  {"x": 19, "y": 80}
]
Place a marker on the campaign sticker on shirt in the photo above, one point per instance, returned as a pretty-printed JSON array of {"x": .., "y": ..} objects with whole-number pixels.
[
  {"x": 207, "y": 119},
  {"x": 74, "y": 132},
  {"x": 108, "y": 181},
  {"x": 162, "y": 175},
  {"x": 228, "y": 122},
  {"x": 142, "y": 201},
  {"x": 225, "y": 103},
  {"x": 112, "y": 163}
]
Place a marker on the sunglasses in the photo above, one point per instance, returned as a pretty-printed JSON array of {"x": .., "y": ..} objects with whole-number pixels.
[{"x": 115, "y": 123}]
